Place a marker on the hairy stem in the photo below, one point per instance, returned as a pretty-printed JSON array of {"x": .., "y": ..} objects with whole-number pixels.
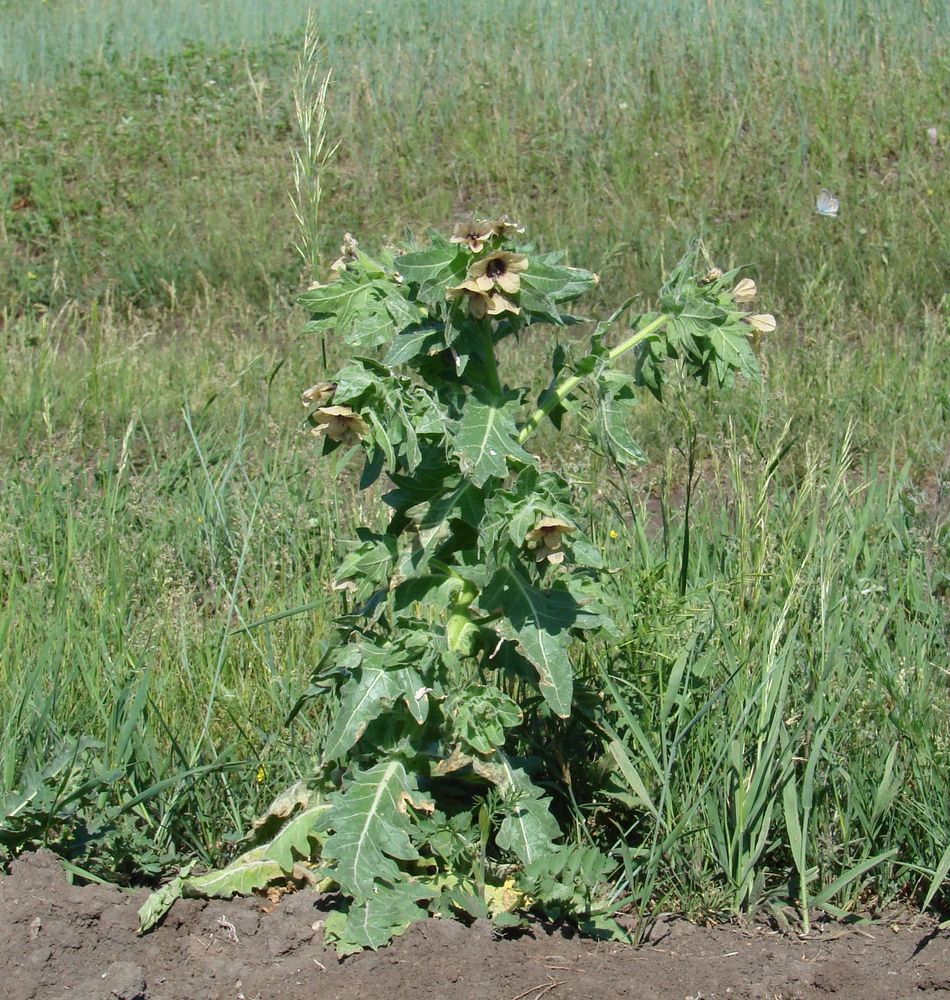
[
  {"x": 571, "y": 383},
  {"x": 488, "y": 357}
]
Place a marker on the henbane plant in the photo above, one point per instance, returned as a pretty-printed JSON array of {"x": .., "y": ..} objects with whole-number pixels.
[
  {"x": 469, "y": 606},
  {"x": 470, "y": 602}
]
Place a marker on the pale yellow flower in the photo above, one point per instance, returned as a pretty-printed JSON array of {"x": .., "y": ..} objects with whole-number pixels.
[
  {"x": 546, "y": 538},
  {"x": 339, "y": 423},
  {"x": 497, "y": 304},
  {"x": 481, "y": 302},
  {"x": 476, "y": 298},
  {"x": 318, "y": 394},
  {"x": 713, "y": 274},
  {"x": 473, "y": 234},
  {"x": 745, "y": 291},
  {"x": 762, "y": 322},
  {"x": 500, "y": 271}
]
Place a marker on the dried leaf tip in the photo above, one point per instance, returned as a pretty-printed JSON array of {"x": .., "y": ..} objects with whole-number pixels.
[
  {"x": 318, "y": 394},
  {"x": 348, "y": 250}
]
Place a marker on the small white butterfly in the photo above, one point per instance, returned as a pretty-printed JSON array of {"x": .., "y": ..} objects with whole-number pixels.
[{"x": 827, "y": 203}]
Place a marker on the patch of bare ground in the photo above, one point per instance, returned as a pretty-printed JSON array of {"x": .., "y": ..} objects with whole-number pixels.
[{"x": 63, "y": 941}]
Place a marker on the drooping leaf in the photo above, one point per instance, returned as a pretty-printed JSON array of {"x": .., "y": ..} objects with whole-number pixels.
[
  {"x": 429, "y": 414},
  {"x": 382, "y": 438},
  {"x": 402, "y": 312},
  {"x": 613, "y": 417},
  {"x": 413, "y": 341},
  {"x": 433, "y": 523},
  {"x": 352, "y": 381},
  {"x": 274, "y": 818},
  {"x": 371, "y": 824},
  {"x": 354, "y": 307},
  {"x": 369, "y": 564},
  {"x": 434, "y": 589},
  {"x": 250, "y": 872},
  {"x": 287, "y": 801},
  {"x": 161, "y": 901},
  {"x": 703, "y": 310},
  {"x": 427, "y": 483},
  {"x": 550, "y": 282},
  {"x": 732, "y": 346},
  {"x": 381, "y": 673},
  {"x": 280, "y": 857},
  {"x": 293, "y": 841},
  {"x": 648, "y": 369},
  {"x": 347, "y": 294}
]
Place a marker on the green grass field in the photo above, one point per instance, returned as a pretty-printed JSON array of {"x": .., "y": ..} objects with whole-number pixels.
[{"x": 158, "y": 491}]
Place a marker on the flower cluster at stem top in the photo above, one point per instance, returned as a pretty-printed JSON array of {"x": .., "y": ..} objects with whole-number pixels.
[{"x": 493, "y": 281}]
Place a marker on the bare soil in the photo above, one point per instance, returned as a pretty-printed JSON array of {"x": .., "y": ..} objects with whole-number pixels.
[{"x": 63, "y": 941}]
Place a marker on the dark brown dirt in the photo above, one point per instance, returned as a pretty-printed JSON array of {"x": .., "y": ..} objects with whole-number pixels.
[{"x": 63, "y": 941}]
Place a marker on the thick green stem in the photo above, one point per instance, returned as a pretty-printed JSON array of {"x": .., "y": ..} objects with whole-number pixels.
[
  {"x": 491, "y": 366},
  {"x": 570, "y": 384}
]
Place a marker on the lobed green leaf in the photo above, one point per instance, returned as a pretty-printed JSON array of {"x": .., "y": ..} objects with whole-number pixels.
[
  {"x": 487, "y": 436},
  {"x": 371, "y": 825}
]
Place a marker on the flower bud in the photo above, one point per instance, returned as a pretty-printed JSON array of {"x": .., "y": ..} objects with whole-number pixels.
[
  {"x": 744, "y": 291},
  {"x": 762, "y": 322}
]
